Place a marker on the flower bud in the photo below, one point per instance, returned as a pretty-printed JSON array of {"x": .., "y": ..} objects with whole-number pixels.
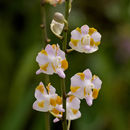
[
  {"x": 57, "y": 24},
  {"x": 58, "y": 17}
]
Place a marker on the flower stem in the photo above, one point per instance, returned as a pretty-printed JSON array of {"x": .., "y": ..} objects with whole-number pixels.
[
  {"x": 66, "y": 25},
  {"x": 43, "y": 25},
  {"x": 46, "y": 41},
  {"x": 64, "y": 44},
  {"x": 69, "y": 122},
  {"x": 63, "y": 89}
]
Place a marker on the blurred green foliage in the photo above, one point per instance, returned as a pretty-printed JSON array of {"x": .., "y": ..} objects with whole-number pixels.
[{"x": 20, "y": 41}]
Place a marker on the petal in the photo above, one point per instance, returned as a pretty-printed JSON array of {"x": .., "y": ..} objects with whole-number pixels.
[
  {"x": 42, "y": 59},
  {"x": 76, "y": 81},
  {"x": 91, "y": 49},
  {"x": 85, "y": 29},
  {"x": 72, "y": 114},
  {"x": 88, "y": 74},
  {"x": 56, "y": 113},
  {"x": 95, "y": 93},
  {"x": 60, "y": 53},
  {"x": 74, "y": 43},
  {"x": 75, "y": 34},
  {"x": 40, "y": 92},
  {"x": 50, "y": 50},
  {"x": 56, "y": 120},
  {"x": 38, "y": 71},
  {"x": 61, "y": 73},
  {"x": 51, "y": 89},
  {"x": 64, "y": 64},
  {"x": 87, "y": 49},
  {"x": 60, "y": 108},
  {"x": 96, "y": 36},
  {"x": 77, "y": 86},
  {"x": 89, "y": 100},
  {"x": 73, "y": 102},
  {"x": 42, "y": 106},
  {"x": 97, "y": 82}
]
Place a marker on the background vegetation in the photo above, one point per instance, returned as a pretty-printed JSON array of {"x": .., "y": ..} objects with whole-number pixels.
[{"x": 21, "y": 40}]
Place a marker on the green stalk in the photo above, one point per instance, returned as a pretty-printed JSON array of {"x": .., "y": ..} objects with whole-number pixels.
[
  {"x": 64, "y": 44},
  {"x": 63, "y": 90},
  {"x": 66, "y": 26},
  {"x": 43, "y": 25},
  {"x": 46, "y": 41}
]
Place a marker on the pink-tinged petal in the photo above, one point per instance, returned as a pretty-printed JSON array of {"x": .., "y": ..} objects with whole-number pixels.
[
  {"x": 42, "y": 59},
  {"x": 50, "y": 50},
  {"x": 77, "y": 86},
  {"x": 75, "y": 35},
  {"x": 85, "y": 29},
  {"x": 51, "y": 89},
  {"x": 61, "y": 73},
  {"x": 69, "y": 93},
  {"x": 71, "y": 116},
  {"x": 44, "y": 89},
  {"x": 48, "y": 70},
  {"x": 61, "y": 53},
  {"x": 56, "y": 120},
  {"x": 59, "y": 108},
  {"x": 87, "y": 48},
  {"x": 93, "y": 49},
  {"x": 88, "y": 74},
  {"x": 89, "y": 100},
  {"x": 76, "y": 81},
  {"x": 73, "y": 103},
  {"x": 97, "y": 82},
  {"x": 38, "y": 71},
  {"x": 41, "y": 106},
  {"x": 96, "y": 36},
  {"x": 40, "y": 92}
]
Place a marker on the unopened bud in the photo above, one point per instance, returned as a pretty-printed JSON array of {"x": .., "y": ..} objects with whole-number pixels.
[{"x": 58, "y": 17}]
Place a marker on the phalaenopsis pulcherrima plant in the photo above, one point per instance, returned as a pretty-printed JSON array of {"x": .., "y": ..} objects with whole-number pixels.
[{"x": 52, "y": 59}]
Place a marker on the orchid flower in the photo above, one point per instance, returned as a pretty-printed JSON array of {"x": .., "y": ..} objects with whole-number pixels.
[
  {"x": 52, "y": 60},
  {"x": 73, "y": 105},
  {"x": 85, "y": 86},
  {"x": 85, "y": 39},
  {"x": 72, "y": 109},
  {"x": 48, "y": 100}
]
